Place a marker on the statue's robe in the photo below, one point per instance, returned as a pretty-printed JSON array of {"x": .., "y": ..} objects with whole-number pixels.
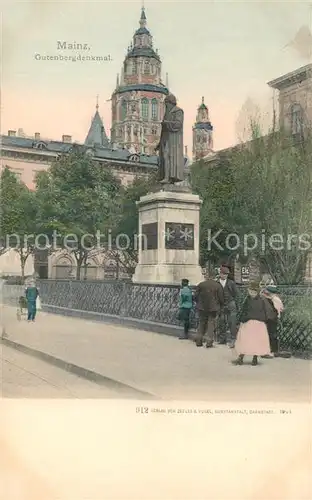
[{"x": 171, "y": 157}]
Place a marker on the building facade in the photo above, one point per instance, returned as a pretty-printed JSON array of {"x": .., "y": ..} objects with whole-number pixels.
[
  {"x": 26, "y": 156},
  {"x": 294, "y": 99},
  {"x": 202, "y": 133},
  {"x": 138, "y": 99}
]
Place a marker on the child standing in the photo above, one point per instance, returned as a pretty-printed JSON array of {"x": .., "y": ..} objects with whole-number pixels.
[
  {"x": 252, "y": 338},
  {"x": 185, "y": 307},
  {"x": 31, "y": 293}
]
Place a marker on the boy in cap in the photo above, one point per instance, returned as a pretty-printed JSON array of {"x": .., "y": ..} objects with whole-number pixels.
[{"x": 185, "y": 307}]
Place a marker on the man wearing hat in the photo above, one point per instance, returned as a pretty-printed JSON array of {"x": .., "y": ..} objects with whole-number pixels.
[
  {"x": 209, "y": 300},
  {"x": 228, "y": 315}
]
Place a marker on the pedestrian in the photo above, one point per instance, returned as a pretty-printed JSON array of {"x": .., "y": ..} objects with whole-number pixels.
[
  {"x": 276, "y": 308},
  {"x": 31, "y": 297},
  {"x": 228, "y": 314},
  {"x": 252, "y": 338},
  {"x": 209, "y": 298},
  {"x": 185, "y": 307}
]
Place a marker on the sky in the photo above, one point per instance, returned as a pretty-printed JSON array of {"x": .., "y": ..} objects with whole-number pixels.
[{"x": 226, "y": 51}]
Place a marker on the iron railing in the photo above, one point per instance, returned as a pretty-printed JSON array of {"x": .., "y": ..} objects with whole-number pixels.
[{"x": 159, "y": 304}]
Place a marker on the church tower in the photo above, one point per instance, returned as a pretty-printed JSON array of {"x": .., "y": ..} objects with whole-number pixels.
[
  {"x": 138, "y": 99},
  {"x": 202, "y": 133}
]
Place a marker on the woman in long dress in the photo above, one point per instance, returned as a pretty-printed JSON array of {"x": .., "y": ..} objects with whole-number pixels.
[{"x": 252, "y": 337}]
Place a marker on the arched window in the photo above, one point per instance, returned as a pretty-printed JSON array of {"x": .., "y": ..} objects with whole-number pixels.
[
  {"x": 146, "y": 67},
  {"x": 123, "y": 110},
  {"x": 296, "y": 119},
  {"x": 154, "y": 109},
  {"x": 144, "y": 108},
  {"x": 134, "y": 67}
]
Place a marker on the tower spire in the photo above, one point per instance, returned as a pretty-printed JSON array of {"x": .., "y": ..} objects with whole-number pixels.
[
  {"x": 97, "y": 103},
  {"x": 202, "y": 132},
  {"x": 143, "y": 16}
]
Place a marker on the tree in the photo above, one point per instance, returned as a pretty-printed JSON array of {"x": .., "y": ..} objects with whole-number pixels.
[
  {"x": 272, "y": 175},
  {"x": 79, "y": 200},
  {"x": 269, "y": 203},
  {"x": 261, "y": 192},
  {"x": 216, "y": 188},
  {"x": 129, "y": 222},
  {"x": 18, "y": 211}
]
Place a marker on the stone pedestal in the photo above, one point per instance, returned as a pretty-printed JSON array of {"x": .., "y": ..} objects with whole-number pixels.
[{"x": 169, "y": 238}]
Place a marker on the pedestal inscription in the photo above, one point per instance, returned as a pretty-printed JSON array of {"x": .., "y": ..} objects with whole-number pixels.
[
  {"x": 150, "y": 236},
  {"x": 179, "y": 236},
  {"x": 177, "y": 253}
]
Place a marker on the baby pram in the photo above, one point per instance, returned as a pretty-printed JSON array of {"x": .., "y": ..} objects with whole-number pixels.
[{"x": 21, "y": 308}]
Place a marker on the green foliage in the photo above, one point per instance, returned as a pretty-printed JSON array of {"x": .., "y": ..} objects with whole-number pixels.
[
  {"x": 78, "y": 197},
  {"x": 18, "y": 212},
  {"x": 129, "y": 220},
  {"x": 216, "y": 189},
  {"x": 262, "y": 187}
]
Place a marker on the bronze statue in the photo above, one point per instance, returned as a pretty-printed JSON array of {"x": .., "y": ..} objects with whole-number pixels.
[{"x": 170, "y": 147}]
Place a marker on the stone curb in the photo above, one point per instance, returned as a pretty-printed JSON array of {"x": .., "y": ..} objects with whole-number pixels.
[
  {"x": 92, "y": 376},
  {"x": 151, "y": 326}
]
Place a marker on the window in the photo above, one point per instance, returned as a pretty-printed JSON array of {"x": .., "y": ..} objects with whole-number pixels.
[
  {"x": 123, "y": 110},
  {"x": 154, "y": 131},
  {"x": 134, "y": 67},
  {"x": 154, "y": 109},
  {"x": 134, "y": 158},
  {"x": 146, "y": 67},
  {"x": 17, "y": 172},
  {"x": 296, "y": 119},
  {"x": 144, "y": 108}
]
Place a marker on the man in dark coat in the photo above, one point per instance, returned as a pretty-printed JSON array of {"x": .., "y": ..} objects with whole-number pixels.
[
  {"x": 209, "y": 298},
  {"x": 170, "y": 147},
  {"x": 228, "y": 316}
]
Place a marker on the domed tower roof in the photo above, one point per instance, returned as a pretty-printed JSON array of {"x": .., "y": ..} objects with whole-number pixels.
[
  {"x": 142, "y": 29},
  {"x": 142, "y": 45},
  {"x": 202, "y": 119}
]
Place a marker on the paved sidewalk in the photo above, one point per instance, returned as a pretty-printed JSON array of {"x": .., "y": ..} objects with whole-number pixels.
[{"x": 159, "y": 365}]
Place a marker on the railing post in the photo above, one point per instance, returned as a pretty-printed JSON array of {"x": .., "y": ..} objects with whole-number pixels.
[
  {"x": 124, "y": 300},
  {"x": 70, "y": 300}
]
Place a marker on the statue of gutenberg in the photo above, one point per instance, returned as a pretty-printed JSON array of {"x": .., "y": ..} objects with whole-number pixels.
[{"x": 170, "y": 147}]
